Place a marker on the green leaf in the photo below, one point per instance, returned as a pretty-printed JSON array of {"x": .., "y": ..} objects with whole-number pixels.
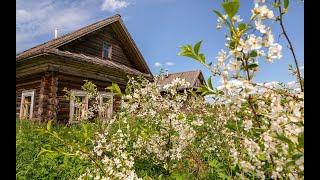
[
  {"x": 256, "y": 132},
  {"x": 114, "y": 88},
  {"x": 219, "y": 14},
  {"x": 202, "y": 58},
  {"x": 276, "y": 4},
  {"x": 231, "y": 7},
  {"x": 204, "y": 90},
  {"x": 197, "y": 47},
  {"x": 286, "y": 140},
  {"x": 161, "y": 177},
  {"x": 242, "y": 26},
  {"x": 232, "y": 44},
  {"x": 301, "y": 140},
  {"x": 49, "y": 124},
  {"x": 290, "y": 163},
  {"x": 190, "y": 55},
  {"x": 252, "y": 66},
  {"x": 146, "y": 177},
  {"x": 286, "y": 4},
  {"x": 186, "y": 50},
  {"x": 177, "y": 176},
  {"x": 214, "y": 163},
  {"x": 232, "y": 125},
  {"x": 193, "y": 53},
  {"x": 44, "y": 151},
  {"x": 85, "y": 131},
  {"x": 253, "y": 53},
  {"x": 297, "y": 156},
  {"x": 262, "y": 156},
  {"x": 210, "y": 83},
  {"x": 117, "y": 88}
]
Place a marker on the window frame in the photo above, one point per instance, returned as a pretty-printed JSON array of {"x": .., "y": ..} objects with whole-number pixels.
[
  {"x": 109, "y": 50},
  {"x": 75, "y": 93},
  {"x": 27, "y": 93},
  {"x": 103, "y": 95}
]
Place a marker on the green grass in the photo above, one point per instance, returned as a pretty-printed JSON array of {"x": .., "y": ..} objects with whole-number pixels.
[{"x": 51, "y": 163}]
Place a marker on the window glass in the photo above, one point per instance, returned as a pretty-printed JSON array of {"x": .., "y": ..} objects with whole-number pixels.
[{"x": 106, "y": 49}]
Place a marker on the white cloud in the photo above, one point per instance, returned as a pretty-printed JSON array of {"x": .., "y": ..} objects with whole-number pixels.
[
  {"x": 22, "y": 16},
  {"x": 170, "y": 63},
  {"x": 113, "y": 5},
  {"x": 68, "y": 19},
  {"x": 157, "y": 64},
  {"x": 36, "y": 20}
]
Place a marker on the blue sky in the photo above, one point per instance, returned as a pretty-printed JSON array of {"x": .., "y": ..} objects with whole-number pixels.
[{"x": 159, "y": 28}]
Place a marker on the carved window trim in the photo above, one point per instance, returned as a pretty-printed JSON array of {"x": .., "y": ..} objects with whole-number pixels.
[
  {"x": 72, "y": 104},
  {"x": 110, "y": 108},
  {"x": 27, "y": 93}
]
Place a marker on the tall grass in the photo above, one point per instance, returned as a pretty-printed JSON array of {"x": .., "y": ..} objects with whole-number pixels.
[{"x": 40, "y": 156}]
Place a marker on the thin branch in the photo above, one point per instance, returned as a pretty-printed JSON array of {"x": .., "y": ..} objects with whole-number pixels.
[
  {"x": 245, "y": 65},
  {"x": 280, "y": 36},
  {"x": 290, "y": 45}
]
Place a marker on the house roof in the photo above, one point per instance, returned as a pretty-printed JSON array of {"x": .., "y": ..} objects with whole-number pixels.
[
  {"x": 95, "y": 60},
  {"x": 55, "y": 43},
  {"x": 189, "y": 76}
]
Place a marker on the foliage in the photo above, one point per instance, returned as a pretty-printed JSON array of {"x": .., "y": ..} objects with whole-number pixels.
[{"x": 41, "y": 156}]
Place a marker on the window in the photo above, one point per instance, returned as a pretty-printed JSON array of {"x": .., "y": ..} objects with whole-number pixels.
[
  {"x": 106, "y": 104},
  {"x": 106, "y": 50},
  {"x": 26, "y": 105},
  {"x": 78, "y": 105}
]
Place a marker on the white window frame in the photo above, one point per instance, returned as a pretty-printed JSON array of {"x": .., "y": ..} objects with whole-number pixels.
[
  {"x": 27, "y": 93},
  {"x": 72, "y": 103},
  {"x": 103, "y": 95}
]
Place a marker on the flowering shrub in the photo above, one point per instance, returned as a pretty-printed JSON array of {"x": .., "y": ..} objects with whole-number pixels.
[
  {"x": 250, "y": 131},
  {"x": 150, "y": 126},
  {"x": 265, "y": 132}
]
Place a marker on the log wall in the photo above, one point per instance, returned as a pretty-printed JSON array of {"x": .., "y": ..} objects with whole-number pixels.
[
  {"x": 28, "y": 83},
  {"x": 92, "y": 45},
  {"x": 45, "y": 102}
]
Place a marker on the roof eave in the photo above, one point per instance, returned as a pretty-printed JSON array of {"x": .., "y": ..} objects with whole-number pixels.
[
  {"x": 56, "y": 43},
  {"x": 135, "y": 47}
]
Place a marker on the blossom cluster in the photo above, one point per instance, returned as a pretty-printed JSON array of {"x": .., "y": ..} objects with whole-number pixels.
[
  {"x": 267, "y": 141},
  {"x": 150, "y": 125},
  {"x": 112, "y": 157},
  {"x": 168, "y": 131},
  {"x": 253, "y": 130}
]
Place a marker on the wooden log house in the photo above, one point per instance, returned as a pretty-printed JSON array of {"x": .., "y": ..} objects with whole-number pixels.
[
  {"x": 103, "y": 52},
  {"x": 194, "y": 78}
]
